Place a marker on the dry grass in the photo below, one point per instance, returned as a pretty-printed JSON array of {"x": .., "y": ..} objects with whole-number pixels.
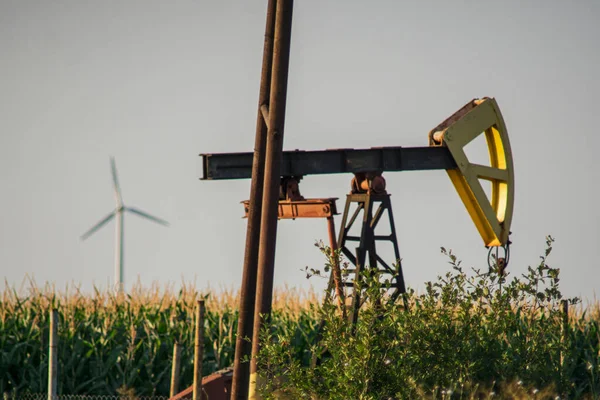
[{"x": 291, "y": 300}]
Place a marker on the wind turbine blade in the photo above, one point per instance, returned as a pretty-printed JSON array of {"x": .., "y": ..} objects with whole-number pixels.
[
  {"x": 148, "y": 216},
  {"x": 113, "y": 168},
  {"x": 98, "y": 225}
]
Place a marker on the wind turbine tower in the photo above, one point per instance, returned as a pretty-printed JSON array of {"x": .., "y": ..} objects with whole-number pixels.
[{"x": 119, "y": 213}]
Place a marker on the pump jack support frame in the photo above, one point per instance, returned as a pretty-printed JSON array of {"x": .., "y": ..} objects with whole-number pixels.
[{"x": 365, "y": 257}]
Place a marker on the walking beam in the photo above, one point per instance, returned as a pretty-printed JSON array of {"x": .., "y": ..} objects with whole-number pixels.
[{"x": 337, "y": 161}]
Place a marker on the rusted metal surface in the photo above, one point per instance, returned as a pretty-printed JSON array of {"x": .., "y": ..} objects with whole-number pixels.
[
  {"x": 309, "y": 208},
  {"x": 301, "y": 163},
  {"x": 243, "y": 348},
  {"x": 368, "y": 182},
  {"x": 198, "y": 350},
  {"x": 216, "y": 386},
  {"x": 336, "y": 272},
  {"x": 498, "y": 258},
  {"x": 290, "y": 189},
  {"x": 275, "y": 135}
]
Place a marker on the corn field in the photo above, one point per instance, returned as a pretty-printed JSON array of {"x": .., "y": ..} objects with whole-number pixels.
[
  {"x": 110, "y": 344},
  {"x": 114, "y": 344}
]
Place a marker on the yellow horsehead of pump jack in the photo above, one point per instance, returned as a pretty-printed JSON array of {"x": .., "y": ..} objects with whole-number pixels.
[{"x": 493, "y": 216}]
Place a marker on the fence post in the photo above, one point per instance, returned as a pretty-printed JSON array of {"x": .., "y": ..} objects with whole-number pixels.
[
  {"x": 198, "y": 351},
  {"x": 175, "y": 368},
  {"x": 52, "y": 355}
]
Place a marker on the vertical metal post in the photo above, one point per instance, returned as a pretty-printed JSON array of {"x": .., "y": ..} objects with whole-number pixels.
[
  {"x": 336, "y": 273},
  {"x": 198, "y": 351},
  {"x": 243, "y": 348},
  {"x": 335, "y": 283},
  {"x": 53, "y": 355},
  {"x": 386, "y": 202},
  {"x": 275, "y": 134},
  {"x": 175, "y": 369}
]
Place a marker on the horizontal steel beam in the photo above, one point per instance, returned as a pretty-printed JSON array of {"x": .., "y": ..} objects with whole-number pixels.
[{"x": 337, "y": 161}]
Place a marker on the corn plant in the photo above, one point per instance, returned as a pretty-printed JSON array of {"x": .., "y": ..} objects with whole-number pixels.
[{"x": 110, "y": 343}]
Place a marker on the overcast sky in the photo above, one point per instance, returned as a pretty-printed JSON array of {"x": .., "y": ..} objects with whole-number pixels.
[{"x": 155, "y": 83}]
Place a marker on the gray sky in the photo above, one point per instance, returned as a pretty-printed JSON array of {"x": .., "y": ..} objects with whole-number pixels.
[{"x": 155, "y": 83}]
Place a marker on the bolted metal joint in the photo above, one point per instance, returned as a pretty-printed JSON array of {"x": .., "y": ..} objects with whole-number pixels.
[
  {"x": 368, "y": 182},
  {"x": 289, "y": 188}
]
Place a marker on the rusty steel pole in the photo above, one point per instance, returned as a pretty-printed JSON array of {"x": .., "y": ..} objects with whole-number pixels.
[
  {"x": 336, "y": 272},
  {"x": 198, "y": 351},
  {"x": 272, "y": 179},
  {"x": 243, "y": 348}
]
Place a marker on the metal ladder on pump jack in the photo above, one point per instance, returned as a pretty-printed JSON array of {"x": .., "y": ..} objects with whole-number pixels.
[{"x": 447, "y": 141}]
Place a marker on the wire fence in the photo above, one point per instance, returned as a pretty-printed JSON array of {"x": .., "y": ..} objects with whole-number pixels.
[{"x": 44, "y": 396}]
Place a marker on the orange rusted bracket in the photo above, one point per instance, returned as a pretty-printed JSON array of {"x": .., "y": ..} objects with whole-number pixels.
[
  {"x": 314, "y": 208},
  {"x": 308, "y": 208}
]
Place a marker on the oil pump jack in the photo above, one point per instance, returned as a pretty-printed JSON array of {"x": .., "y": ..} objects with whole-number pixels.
[
  {"x": 369, "y": 199},
  {"x": 275, "y": 193}
]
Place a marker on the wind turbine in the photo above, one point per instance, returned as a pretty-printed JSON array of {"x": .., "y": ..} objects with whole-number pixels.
[{"x": 119, "y": 213}]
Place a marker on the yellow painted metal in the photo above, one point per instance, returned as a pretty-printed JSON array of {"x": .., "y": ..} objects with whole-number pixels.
[{"x": 492, "y": 217}]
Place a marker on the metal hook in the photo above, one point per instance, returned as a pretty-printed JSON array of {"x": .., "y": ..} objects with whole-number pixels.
[{"x": 497, "y": 259}]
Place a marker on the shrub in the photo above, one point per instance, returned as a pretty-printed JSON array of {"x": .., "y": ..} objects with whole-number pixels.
[{"x": 468, "y": 335}]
